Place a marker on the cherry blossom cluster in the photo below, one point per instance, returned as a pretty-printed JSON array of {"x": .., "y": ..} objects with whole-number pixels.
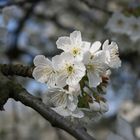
[
  {"x": 78, "y": 76},
  {"x": 122, "y": 24}
]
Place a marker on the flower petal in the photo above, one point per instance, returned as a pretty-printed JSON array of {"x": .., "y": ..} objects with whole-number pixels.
[
  {"x": 61, "y": 79},
  {"x": 95, "y": 47},
  {"x": 62, "y": 111},
  {"x": 77, "y": 113},
  {"x": 41, "y": 60},
  {"x": 42, "y": 73},
  {"x": 94, "y": 79},
  {"x": 105, "y": 45},
  {"x": 63, "y": 43},
  {"x": 85, "y": 46},
  {"x": 75, "y": 37},
  {"x": 72, "y": 104}
]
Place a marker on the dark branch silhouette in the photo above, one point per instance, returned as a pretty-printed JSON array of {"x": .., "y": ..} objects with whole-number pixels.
[
  {"x": 11, "y": 89},
  {"x": 91, "y": 5},
  {"x": 12, "y": 45}
]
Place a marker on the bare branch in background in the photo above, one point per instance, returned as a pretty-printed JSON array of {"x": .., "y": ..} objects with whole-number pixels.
[
  {"x": 11, "y": 89},
  {"x": 91, "y": 5},
  {"x": 17, "y": 3},
  {"x": 55, "y": 20},
  {"x": 12, "y": 44},
  {"x": 19, "y": 70}
]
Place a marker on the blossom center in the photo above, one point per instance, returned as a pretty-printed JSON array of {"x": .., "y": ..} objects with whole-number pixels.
[
  {"x": 75, "y": 51},
  {"x": 90, "y": 67},
  {"x": 70, "y": 69}
]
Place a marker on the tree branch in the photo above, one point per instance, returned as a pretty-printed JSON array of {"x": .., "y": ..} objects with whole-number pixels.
[
  {"x": 17, "y": 3},
  {"x": 11, "y": 89},
  {"x": 91, "y": 5},
  {"x": 12, "y": 45},
  {"x": 55, "y": 20},
  {"x": 18, "y": 69}
]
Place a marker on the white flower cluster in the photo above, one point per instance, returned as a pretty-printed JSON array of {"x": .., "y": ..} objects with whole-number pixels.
[
  {"x": 76, "y": 77},
  {"x": 129, "y": 25},
  {"x": 8, "y": 14}
]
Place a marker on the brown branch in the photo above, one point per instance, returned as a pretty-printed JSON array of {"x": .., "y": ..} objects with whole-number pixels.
[
  {"x": 18, "y": 69},
  {"x": 12, "y": 45},
  {"x": 17, "y": 3},
  {"x": 93, "y": 6},
  {"x": 55, "y": 20},
  {"x": 11, "y": 89}
]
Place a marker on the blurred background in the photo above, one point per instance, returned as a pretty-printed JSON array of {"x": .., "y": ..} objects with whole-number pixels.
[{"x": 31, "y": 27}]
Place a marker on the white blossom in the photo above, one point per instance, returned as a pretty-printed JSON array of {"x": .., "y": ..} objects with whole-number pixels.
[
  {"x": 73, "y": 44},
  {"x": 99, "y": 106},
  {"x": 69, "y": 71},
  {"x": 44, "y": 71},
  {"x": 118, "y": 23},
  {"x": 95, "y": 66},
  {"x": 134, "y": 28},
  {"x": 64, "y": 102},
  {"x": 73, "y": 75},
  {"x": 77, "y": 113},
  {"x": 111, "y": 54}
]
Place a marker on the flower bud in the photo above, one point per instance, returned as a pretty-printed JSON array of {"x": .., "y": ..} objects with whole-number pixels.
[
  {"x": 95, "y": 106},
  {"x": 104, "y": 107}
]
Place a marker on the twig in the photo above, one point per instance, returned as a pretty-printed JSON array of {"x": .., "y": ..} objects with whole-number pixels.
[
  {"x": 13, "y": 44},
  {"x": 18, "y": 3},
  {"x": 18, "y": 69},
  {"x": 11, "y": 89},
  {"x": 55, "y": 20},
  {"x": 90, "y": 5}
]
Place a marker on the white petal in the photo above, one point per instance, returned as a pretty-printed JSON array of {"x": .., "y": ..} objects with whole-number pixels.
[
  {"x": 67, "y": 57},
  {"x": 70, "y": 97},
  {"x": 75, "y": 37},
  {"x": 62, "y": 111},
  {"x": 61, "y": 79},
  {"x": 72, "y": 104},
  {"x": 42, "y": 74},
  {"x": 105, "y": 44},
  {"x": 63, "y": 43},
  {"x": 85, "y": 46},
  {"x": 77, "y": 113},
  {"x": 73, "y": 80},
  {"x": 95, "y": 47},
  {"x": 58, "y": 98},
  {"x": 115, "y": 63},
  {"x": 75, "y": 90},
  {"x": 94, "y": 79},
  {"x": 114, "y": 45},
  {"x": 41, "y": 60},
  {"x": 52, "y": 80},
  {"x": 86, "y": 57},
  {"x": 79, "y": 69},
  {"x": 57, "y": 62},
  {"x": 111, "y": 54}
]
